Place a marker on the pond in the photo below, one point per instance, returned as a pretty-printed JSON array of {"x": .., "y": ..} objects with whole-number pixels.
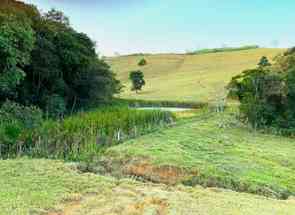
[{"x": 171, "y": 109}]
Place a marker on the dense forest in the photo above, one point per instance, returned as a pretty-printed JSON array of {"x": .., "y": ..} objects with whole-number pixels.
[{"x": 46, "y": 63}]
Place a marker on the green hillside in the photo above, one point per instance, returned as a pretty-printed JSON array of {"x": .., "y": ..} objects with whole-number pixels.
[
  {"x": 187, "y": 77},
  {"x": 212, "y": 149}
]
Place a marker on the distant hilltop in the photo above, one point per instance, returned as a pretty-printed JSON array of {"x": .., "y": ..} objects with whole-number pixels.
[
  {"x": 225, "y": 49},
  {"x": 201, "y": 51}
]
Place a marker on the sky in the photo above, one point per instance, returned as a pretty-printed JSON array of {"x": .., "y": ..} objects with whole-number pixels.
[{"x": 176, "y": 26}]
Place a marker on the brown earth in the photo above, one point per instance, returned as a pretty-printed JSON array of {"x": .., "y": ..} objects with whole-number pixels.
[{"x": 160, "y": 174}]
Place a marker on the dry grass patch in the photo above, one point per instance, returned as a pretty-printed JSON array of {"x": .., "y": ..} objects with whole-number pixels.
[{"x": 198, "y": 78}]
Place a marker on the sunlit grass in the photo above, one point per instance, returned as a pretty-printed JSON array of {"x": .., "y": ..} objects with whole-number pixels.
[
  {"x": 31, "y": 186},
  {"x": 42, "y": 186},
  {"x": 222, "y": 152},
  {"x": 197, "y": 78}
]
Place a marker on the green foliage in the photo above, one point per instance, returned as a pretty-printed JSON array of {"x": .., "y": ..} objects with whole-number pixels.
[
  {"x": 16, "y": 43},
  {"x": 84, "y": 135},
  {"x": 142, "y": 62},
  {"x": 48, "y": 64},
  {"x": 267, "y": 93},
  {"x": 264, "y": 62},
  {"x": 78, "y": 137},
  {"x": 55, "y": 106},
  {"x": 137, "y": 79},
  {"x": 15, "y": 122},
  {"x": 58, "y": 17}
]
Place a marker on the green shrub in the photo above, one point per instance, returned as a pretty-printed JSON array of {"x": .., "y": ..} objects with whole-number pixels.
[
  {"x": 15, "y": 122},
  {"x": 28, "y": 116},
  {"x": 55, "y": 106},
  {"x": 142, "y": 62}
]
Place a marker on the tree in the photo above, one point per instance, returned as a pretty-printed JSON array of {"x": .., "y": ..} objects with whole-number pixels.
[
  {"x": 46, "y": 63},
  {"x": 264, "y": 62},
  {"x": 16, "y": 43},
  {"x": 57, "y": 16},
  {"x": 142, "y": 62},
  {"x": 137, "y": 79},
  {"x": 267, "y": 95}
]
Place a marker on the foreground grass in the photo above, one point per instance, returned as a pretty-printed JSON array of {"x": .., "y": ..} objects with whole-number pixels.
[
  {"x": 28, "y": 186},
  {"x": 217, "y": 151},
  {"x": 32, "y": 186},
  {"x": 197, "y": 78}
]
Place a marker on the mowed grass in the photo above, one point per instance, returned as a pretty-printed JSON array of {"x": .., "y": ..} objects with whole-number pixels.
[
  {"x": 31, "y": 186},
  {"x": 220, "y": 152},
  {"x": 197, "y": 78}
]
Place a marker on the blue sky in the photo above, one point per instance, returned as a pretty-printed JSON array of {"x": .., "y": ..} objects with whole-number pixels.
[{"x": 153, "y": 26}]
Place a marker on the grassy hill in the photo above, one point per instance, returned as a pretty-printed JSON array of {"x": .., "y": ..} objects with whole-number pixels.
[
  {"x": 212, "y": 149},
  {"x": 30, "y": 186},
  {"x": 198, "y": 78}
]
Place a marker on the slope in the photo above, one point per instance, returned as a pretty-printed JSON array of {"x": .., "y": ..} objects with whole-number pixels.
[{"x": 198, "y": 78}]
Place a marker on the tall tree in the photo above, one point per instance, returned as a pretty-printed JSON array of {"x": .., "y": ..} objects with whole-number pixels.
[
  {"x": 51, "y": 65},
  {"x": 16, "y": 43}
]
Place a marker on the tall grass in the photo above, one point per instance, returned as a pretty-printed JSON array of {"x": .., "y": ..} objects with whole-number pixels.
[{"x": 84, "y": 135}]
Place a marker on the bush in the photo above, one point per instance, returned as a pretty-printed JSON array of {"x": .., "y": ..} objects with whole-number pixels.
[
  {"x": 15, "y": 122},
  {"x": 55, "y": 106},
  {"x": 142, "y": 62}
]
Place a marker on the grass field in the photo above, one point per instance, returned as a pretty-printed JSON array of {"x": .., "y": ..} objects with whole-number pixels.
[
  {"x": 53, "y": 188},
  {"x": 202, "y": 148},
  {"x": 31, "y": 186},
  {"x": 213, "y": 150},
  {"x": 197, "y": 78}
]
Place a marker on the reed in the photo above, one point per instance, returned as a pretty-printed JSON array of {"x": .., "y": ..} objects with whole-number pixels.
[{"x": 86, "y": 134}]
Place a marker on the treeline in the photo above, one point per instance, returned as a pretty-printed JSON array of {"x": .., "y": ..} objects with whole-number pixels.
[
  {"x": 227, "y": 49},
  {"x": 267, "y": 93},
  {"x": 48, "y": 64}
]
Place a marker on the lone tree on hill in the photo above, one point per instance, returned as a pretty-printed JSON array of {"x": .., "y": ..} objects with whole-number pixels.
[
  {"x": 142, "y": 62},
  {"x": 264, "y": 62},
  {"x": 137, "y": 79}
]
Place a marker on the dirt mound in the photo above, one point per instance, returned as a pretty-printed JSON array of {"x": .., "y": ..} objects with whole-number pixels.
[
  {"x": 143, "y": 169},
  {"x": 160, "y": 174}
]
